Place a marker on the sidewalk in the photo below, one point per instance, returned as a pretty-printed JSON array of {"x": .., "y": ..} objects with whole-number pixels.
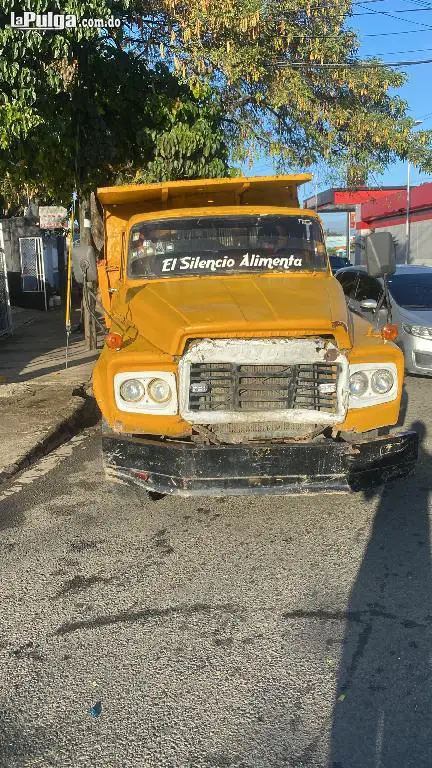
[{"x": 41, "y": 401}]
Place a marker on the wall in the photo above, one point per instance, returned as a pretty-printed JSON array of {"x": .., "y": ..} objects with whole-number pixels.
[
  {"x": 5, "y": 314},
  {"x": 388, "y": 214},
  {"x": 13, "y": 229},
  {"x": 420, "y": 241},
  {"x": 10, "y": 232},
  {"x": 5, "y": 241}
]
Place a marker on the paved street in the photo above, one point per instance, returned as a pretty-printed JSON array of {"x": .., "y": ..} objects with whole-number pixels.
[{"x": 231, "y": 633}]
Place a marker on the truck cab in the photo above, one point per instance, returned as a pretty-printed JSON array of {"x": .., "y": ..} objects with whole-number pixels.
[{"x": 232, "y": 363}]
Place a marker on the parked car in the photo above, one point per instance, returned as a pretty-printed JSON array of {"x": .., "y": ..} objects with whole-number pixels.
[
  {"x": 337, "y": 262},
  {"x": 411, "y": 305}
]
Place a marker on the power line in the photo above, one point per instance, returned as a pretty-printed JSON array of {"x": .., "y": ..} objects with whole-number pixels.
[
  {"x": 354, "y": 64},
  {"x": 307, "y": 37},
  {"x": 322, "y": 6},
  {"x": 396, "y": 10},
  {"x": 389, "y": 34},
  {"x": 392, "y": 16},
  {"x": 416, "y": 2},
  {"x": 398, "y": 53},
  {"x": 354, "y": 2}
]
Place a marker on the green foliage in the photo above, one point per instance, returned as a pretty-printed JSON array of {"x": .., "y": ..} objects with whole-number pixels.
[
  {"x": 182, "y": 84},
  {"x": 82, "y": 110},
  {"x": 192, "y": 145},
  {"x": 345, "y": 115}
]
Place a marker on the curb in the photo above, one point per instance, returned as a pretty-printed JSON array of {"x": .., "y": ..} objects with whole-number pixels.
[{"x": 84, "y": 414}]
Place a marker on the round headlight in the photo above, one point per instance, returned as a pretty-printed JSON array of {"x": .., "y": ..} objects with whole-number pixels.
[
  {"x": 358, "y": 383},
  {"x": 132, "y": 390},
  {"x": 382, "y": 381},
  {"x": 159, "y": 390}
]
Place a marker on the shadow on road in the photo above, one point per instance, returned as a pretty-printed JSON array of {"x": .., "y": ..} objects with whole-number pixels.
[
  {"x": 38, "y": 344},
  {"x": 382, "y": 716}
]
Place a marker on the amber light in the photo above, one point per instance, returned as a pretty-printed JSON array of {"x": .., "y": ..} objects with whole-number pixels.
[
  {"x": 390, "y": 332},
  {"x": 113, "y": 340}
]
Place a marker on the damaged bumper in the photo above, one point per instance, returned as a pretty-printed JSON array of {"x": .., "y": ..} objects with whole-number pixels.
[{"x": 188, "y": 469}]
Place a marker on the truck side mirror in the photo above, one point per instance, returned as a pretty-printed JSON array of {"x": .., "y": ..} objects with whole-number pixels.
[
  {"x": 380, "y": 254},
  {"x": 84, "y": 263}
]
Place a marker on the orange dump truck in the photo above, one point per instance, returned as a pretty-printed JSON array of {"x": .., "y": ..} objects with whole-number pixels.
[{"x": 232, "y": 363}]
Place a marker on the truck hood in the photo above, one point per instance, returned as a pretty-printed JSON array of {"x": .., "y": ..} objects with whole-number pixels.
[{"x": 170, "y": 312}]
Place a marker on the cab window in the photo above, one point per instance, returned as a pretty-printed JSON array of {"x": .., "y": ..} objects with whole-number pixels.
[
  {"x": 348, "y": 281},
  {"x": 368, "y": 288}
]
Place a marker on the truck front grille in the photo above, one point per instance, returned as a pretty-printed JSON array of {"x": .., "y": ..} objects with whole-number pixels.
[{"x": 234, "y": 387}]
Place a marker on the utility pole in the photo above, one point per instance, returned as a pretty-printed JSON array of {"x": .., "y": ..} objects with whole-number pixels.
[
  {"x": 347, "y": 236},
  {"x": 407, "y": 223},
  {"x": 88, "y": 311},
  {"x": 408, "y": 205}
]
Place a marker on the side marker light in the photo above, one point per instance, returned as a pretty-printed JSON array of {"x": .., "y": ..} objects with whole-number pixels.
[
  {"x": 389, "y": 332},
  {"x": 114, "y": 340}
]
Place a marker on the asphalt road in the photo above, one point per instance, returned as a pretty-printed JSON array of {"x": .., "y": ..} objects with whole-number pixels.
[{"x": 238, "y": 633}]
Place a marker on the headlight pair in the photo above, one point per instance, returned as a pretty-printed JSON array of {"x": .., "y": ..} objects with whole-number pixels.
[
  {"x": 370, "y": 385},
  {"x": 133, "y": 390},
  {"x": 146, "y": 392},
  {"x": 381, "y": 382}
]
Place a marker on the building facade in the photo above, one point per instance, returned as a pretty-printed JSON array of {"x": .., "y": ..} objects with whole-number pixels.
[
  {"x": 413, "y": 238},
  {"x": 34, "y": 257}
]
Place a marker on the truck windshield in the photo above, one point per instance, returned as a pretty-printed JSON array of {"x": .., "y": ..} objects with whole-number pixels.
[{"x": 208, "y": 245}]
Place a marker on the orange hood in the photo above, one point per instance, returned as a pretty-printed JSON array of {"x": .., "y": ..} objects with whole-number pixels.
[{"x": 169, "y": 312}]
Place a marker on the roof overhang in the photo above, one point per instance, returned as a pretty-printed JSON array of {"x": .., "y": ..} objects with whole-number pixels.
[
  {"x": 395, "y": 204},
  {"x": 344, "y": 200}
]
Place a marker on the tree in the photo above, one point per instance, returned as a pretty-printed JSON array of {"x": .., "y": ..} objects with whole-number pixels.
[
  {"x": 78, "y": 111},
  {"x": 292, "y": 82},
  {"x": 181, "y": 81}
]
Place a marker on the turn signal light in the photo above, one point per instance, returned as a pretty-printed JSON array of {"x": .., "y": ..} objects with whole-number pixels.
[
  {"x": 390, "y": 332},
  {"x": 113, "y": 340}
]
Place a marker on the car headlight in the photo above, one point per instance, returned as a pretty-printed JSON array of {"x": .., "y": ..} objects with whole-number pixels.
[
  {"x": 159, "y": 390},
  {"x": 418, "y": 330},
  {"x": 382, "y": 381},
  {"x": 132, "y": 390},
  {"x": 358, "y": 384}
]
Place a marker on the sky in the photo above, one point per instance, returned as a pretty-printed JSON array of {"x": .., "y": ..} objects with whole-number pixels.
[{"x": 405, "y": 38}]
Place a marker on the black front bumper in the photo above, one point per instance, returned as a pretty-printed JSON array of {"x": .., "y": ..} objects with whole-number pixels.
[{"x": 188, "y": 469}]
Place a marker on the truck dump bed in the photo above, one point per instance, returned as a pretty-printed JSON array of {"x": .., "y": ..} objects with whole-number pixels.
[{"x": 258, "y": 190}]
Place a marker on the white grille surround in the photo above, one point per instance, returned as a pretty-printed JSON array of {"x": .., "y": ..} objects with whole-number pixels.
[{"x": 264, "y": 352}]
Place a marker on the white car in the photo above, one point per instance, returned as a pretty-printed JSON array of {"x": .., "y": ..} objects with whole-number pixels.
[{"x": 411, "y": 306}]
